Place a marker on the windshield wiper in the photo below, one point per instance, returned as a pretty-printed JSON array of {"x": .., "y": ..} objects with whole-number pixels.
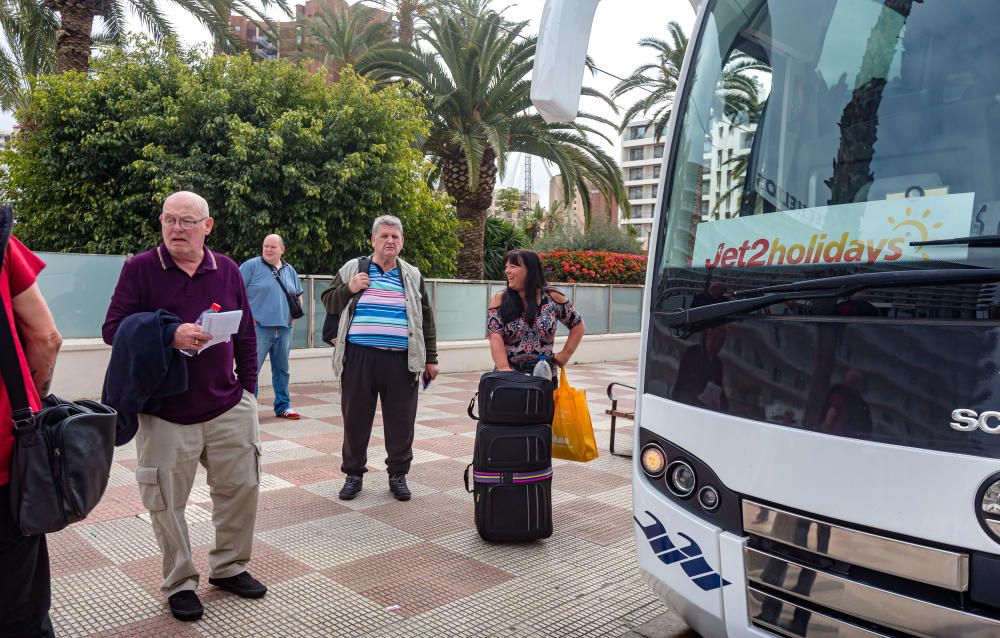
[
  {"x": 825, "y": 288},
  {"x": 975, "y": 240}
]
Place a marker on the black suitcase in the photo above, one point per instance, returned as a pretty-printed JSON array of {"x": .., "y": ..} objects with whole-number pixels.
[
  {"x": 513, "y": 398},
  {"x": 512, "y": 482}
]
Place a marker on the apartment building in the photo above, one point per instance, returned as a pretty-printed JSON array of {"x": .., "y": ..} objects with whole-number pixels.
[
  {"x": 726, "y": 149},
  {"x": 5, "y": 139},
  {"x": 292, "y": 42},
  {"x": 601, "y": 208},
  {"x": 255, "y": 38},
  {"x": 514, "y": 216},
  {"x": 640, "y": 161}
]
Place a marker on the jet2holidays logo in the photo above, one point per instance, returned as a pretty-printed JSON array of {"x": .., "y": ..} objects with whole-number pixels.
[
  {"x": 863, "y": 233},
  {"x": 690, "y": 557}
]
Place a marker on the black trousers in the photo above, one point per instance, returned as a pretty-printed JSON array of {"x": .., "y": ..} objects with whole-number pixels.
[
  {"x": 24, "y": 579},
  {"x": 372, "y": 375}
]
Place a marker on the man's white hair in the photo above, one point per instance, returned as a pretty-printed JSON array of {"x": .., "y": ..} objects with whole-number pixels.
[
  {"x": 387, "y": 220},
  {"x": 188, "y": 195}
]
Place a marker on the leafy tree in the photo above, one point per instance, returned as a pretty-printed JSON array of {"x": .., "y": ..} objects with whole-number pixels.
[
  {"x": 509, "y": 199},
  {"x": 271, "y": 147},
  {"x": 501, "y": 238},
  {"x": 342, "y": 36},
  {"x": 600, "y": 236},
  {"x": 737, "y": 87},
  {"x": 472, "y": 69}
]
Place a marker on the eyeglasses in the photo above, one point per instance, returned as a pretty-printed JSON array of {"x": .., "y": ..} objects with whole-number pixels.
[{"x": 186, "y": 224}]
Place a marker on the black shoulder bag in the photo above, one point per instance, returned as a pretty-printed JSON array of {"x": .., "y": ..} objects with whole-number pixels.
[
  {"x": 62, "y": 454},
  {"x": 331, "y": 324},
  {"x": 294, "y": 307}
]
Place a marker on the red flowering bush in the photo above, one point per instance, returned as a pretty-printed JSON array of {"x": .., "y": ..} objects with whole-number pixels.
[{"x": 593, "y": 267}]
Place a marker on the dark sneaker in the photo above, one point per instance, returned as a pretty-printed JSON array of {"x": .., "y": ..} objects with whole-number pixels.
[
  {"x": 185, "y": 605},
  {"x": 397, "y": 485},
  {"x": 351, "y": 488},
  {"x": 243, "y": 585}
]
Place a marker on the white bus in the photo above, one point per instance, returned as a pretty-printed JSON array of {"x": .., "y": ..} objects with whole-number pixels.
[{"x": 818, "y": 414}]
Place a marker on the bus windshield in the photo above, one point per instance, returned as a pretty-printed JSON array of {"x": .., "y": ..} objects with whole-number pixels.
[{"x": 831, "y": 138}]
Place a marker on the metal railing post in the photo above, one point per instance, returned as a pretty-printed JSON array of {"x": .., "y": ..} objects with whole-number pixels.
[
  {"x": 311, "y": 314},
  {"x": 611, "y": 301}
]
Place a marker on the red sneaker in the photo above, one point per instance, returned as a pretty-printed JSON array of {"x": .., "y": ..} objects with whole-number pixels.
[{"x": 289, "y": 414}]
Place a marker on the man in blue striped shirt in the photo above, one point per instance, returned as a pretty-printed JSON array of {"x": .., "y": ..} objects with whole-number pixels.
[{"x": 386, "y": 343}]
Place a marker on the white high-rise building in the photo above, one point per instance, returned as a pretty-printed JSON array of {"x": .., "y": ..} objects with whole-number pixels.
[
  {"x": 640, "y": 162},
  {"x": 5, "y": 138},
  {"x": 729, "y": 144}
]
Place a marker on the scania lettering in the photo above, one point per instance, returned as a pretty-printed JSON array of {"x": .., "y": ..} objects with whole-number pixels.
[
  {"x": 822, "y": 293},
  {"x": 965, "y": 420}
]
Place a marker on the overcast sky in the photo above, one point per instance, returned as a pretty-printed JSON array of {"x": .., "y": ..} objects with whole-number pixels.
[{"x": 618, "y": 26}]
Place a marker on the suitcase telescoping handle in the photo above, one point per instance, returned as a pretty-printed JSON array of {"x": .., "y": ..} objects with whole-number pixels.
[
  {"x": 474, "y": 417},
  {"x": 466, "y": 478}
]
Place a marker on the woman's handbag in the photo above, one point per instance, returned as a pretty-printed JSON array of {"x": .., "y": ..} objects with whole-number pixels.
[
  {"x": 572, "y": 429},
  {"x": 294, "y": 307},
  {"x": 62, "y": 454}
]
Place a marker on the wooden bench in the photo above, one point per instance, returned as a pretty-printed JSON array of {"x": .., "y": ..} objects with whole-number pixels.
[{"x": 616, "y": 414}]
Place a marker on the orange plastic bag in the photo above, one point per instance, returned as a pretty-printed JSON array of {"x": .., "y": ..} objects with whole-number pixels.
[{"x": 572, "y": 429}]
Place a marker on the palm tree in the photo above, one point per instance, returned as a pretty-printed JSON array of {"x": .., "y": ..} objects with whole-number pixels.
[
  {"x": 473, "y": 71},
  {"x": 341, "y": 37},
  {"x": 27, "y": 50},
  {"x": 859, "y": 120},
  {"x": 73, "y": 37},
  {"x": 738, "y": 89},
  {"x": 407, "y": 12}
]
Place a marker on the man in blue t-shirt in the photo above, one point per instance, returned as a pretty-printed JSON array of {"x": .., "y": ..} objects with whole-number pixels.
[{"x": 270, "y": 281}]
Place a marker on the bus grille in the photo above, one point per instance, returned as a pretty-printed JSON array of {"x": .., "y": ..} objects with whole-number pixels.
[{"x": 808, "y": 578}]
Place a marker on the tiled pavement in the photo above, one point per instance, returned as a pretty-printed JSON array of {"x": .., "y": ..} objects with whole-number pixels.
[{"x": 373, "y": 566}]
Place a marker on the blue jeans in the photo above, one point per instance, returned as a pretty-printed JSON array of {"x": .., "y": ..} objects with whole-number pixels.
[{"x": 276, "y": 341}]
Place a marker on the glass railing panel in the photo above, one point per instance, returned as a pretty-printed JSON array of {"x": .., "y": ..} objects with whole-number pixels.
[
  {"x": 461, "y": 311},
  {"x": 568, "y": 290},
  {"x": 592, "y": 303},
  {"x": 300, "y": 330},
  {"x": 78, "y": 290},
  {"x": 318, "y": 311},
  {"x": 626, "y": 309}
]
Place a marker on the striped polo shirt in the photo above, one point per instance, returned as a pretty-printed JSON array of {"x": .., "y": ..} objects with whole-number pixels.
[{"x": 380, "y": 316}]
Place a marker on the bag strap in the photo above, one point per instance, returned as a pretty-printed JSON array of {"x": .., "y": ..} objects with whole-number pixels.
[
  {"x": 466, "y": 477},
  {"x": 563, "y": 383},
  {"x": 474, "y": 417},
  {"x": 364, "y": 264},
  {"x": 277, "y": 277},
  {"x": 10, "y": 366},
  {"x": 517, "y": 478}
]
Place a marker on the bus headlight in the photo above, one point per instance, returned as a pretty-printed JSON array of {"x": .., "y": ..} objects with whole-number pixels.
[
  {"x": 653, "y": 460},
  {"x": 681, "y": 479},
  {"x": 988, "y": 506},
  {"x": 708, "y": 498}
]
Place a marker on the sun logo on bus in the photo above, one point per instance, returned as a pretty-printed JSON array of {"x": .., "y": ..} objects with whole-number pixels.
[{"x": 915, "y": 228}]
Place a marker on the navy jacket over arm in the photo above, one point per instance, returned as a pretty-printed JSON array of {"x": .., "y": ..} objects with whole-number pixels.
[{"x": 144, "y": 368}]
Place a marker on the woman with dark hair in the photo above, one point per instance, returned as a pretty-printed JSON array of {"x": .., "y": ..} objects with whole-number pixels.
[{"x": 521, "y": 320}]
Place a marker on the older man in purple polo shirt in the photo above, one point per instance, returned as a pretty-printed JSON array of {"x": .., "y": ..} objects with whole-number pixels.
[{"x": 214, "y": 421}]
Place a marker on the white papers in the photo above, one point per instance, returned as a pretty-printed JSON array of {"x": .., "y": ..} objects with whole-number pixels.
[{"x": 221, "y": 325}]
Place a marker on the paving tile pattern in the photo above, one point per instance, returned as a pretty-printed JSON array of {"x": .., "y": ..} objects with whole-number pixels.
[{"x": 373, "y": 566}]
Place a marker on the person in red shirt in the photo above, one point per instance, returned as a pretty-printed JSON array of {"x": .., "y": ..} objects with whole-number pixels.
[{"x": 24, "y": 560}]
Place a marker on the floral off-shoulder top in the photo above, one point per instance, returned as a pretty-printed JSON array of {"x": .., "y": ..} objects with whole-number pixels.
[{"x": 524, "y": 344}]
